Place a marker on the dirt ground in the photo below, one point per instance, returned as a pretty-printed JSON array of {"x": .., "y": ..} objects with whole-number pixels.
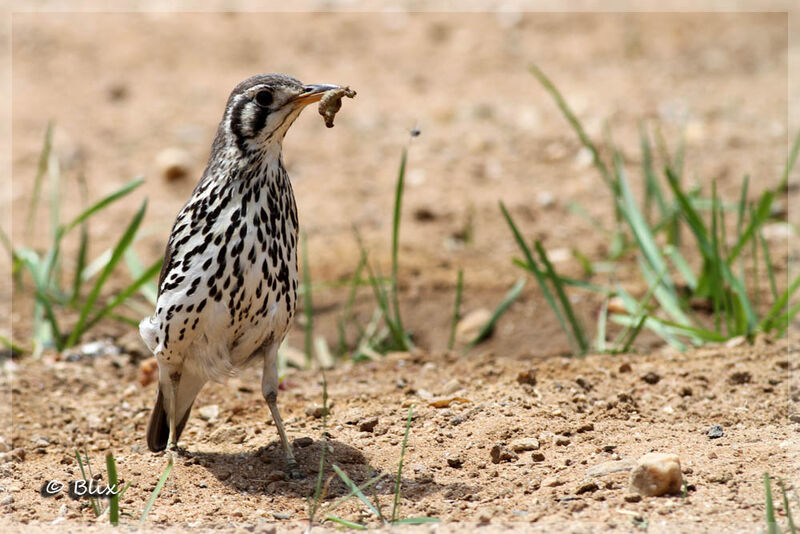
[{"x": 123, "y": 87}]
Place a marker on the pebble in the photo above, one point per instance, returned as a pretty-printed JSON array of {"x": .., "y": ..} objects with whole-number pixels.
[
  {"x": 527, "y": 377},
  {"x": 552, "y": 482},
  {"x": 209, "y": 413},
  {"x": 795, "y": 418},
  {"x": 368, "y": 425},
  {"x": 500, "y": 453},
  {"x": 537, "y": 457},
  {"x": 7, "y": 500},
  {"x": 303, "y": 442},
  {"x": 525, "y": 444},
  {"x": 562, "y": 441},
  {"x": 173, "y": 163},
  {"x": 657, "y": 474},
  {"x": 316, "y": 411},
  {"x": 281, "y": 515},
  {"x": 471, "y": 324},
  {"x": 607, "y": 468},
  {"x": 651, "y": 378},
  {"x": 715, "y": 431},
  {"x": 455, "y": 462},
  {"x": 587, "y": 486},
  {"x": 625, "y": 368},
  {"x": 740, "y": 377},
  {"x": 633, "y": 497}
]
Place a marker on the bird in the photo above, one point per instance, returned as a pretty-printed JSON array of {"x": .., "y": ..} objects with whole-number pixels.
[{"x": 227, "y": 290}]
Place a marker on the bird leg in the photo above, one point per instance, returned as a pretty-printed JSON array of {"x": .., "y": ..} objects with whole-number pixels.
[
  {"x": 269, "y": 387},
  {"x": 172, "y": 411}
]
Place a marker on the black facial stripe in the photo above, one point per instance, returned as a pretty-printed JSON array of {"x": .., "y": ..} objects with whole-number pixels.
[
  {"x": 236, "y": 125},
  {"x": 260, "y": 119}
]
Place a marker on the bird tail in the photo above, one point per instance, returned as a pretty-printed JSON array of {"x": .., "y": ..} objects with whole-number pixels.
[{"x": 158, "y": 426}]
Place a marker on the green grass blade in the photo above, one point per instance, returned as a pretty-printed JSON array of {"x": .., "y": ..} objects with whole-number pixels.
[
  {"x": 574, "y": 122},
  {"x": 398, "y": 481},
  {"x": 657, "y": 328},
  {"x": 772, "y": 525},
  {"x": 44, "y": 158},
  {"x": 766, "y": 322},
  {"x": 602, "y": 325},
  {"x": 740, "y": 212},
  {"x": 148, "y": 290},
  {"x": 366, "y": 485},
  {"x": 456, "y": 310},
  {"x": 398, "y": 204},
  {"x": 790, "y": 161},
  {"x": 756, "y": 221},
  {"x": 308, "y": 305},
  {"x": 156, "y": 492},
  {"x": 117, "y": 253},
  {"x": 509, "y": 298},
  {"x": 790, "y": 316},
  {"x": 577, "y": 328},
  {"x": 787, "y": 509},
  {"x": 356, "y": 491},
  {"x": 533, "y": 267},
  {"x": 113, "y": 510},
  {"x": 125, "y": 294},
  {"x": 652, "y": 189},
  {"x": 680, "y": 263},
  {"x": 102, "y": 203},
  {"x": 345, "y": 522},
  {"x": 80, "y": 264},
  {"x": 92, "y": 501}
]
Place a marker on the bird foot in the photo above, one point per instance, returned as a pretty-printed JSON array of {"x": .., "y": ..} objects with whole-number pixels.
[{"x": 293, "y": 470}]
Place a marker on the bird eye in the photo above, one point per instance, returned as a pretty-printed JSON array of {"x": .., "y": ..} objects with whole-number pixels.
[{"x": 264, "y": 98}]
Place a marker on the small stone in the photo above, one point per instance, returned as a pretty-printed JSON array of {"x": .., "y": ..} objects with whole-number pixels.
[
  {"x": 584, "y": 384},
  {"x": 587, "y": 427},
  {"x": 562, "y": 441},
  {"x": 740, "y": 377},
  {"x": 500, "y": 453},
  {"x": 715, "y": 431},
  {"x": 173, "y": 163},
  {"x": 7, "y": 500},
  {"x": 368, "y": 425},
  {"x": 209, "y": 413},
  {"x": 617, "y": 305},
  {"x": 657, "y": 474},
  {"x": 471, "y": 324},
  {"x": 795, "y": 418},
  {"x": 18, "y": 454},
  {"x": 525, "y": 444},
  {"x": 455, "y": 462},
  {"x": 686, "y": 391},
  {"x": 537, "y": 457},
  {"x": 316, "y": 411},
  {"x": 587, "y": 486},
  {"x": 607, "y": 468},
  {"x": 148, "y": 372},
  {"x": 527, "y": 377},
  {"x": 633, "y": 497},
  {"x": 303, "y": 442},
  {"x": 552, "y": 482},
  {"x": 276, "y": 476},
  {"x": 281, "y": 515},
  {"x": 651, "y": 378}
]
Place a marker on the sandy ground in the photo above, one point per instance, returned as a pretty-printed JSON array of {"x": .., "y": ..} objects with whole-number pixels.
[{"x": 123, "y": 87}]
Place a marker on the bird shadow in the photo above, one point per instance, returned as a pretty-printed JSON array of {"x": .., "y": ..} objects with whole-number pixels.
[{"x": 263, "y": 471}]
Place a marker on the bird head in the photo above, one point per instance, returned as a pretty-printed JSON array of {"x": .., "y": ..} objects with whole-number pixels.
[{"x": 261, "y": 109}]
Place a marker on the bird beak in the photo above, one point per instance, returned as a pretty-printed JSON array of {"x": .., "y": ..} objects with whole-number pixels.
[{"x": 312, "y": 93}]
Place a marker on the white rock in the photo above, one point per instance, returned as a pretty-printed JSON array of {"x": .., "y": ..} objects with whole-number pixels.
[
  {"x": 657, "y": 474},
  {"x": 209, "y": 413},
  {"x": 524, "y": 444}
]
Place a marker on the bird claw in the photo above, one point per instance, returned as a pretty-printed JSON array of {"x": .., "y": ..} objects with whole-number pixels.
[{"x": 294, "y": 471}]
